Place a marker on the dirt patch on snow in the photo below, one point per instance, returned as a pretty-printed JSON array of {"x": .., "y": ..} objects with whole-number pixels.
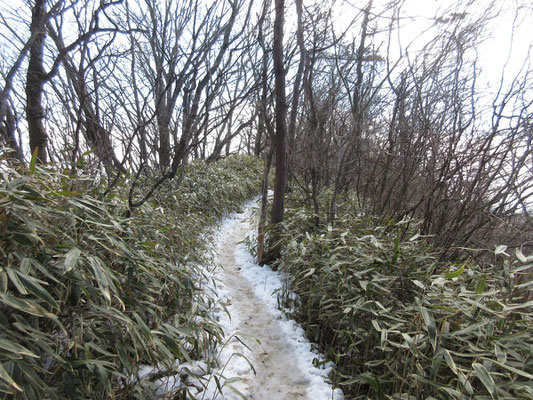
[
  {"x": 276, "y": 374},
  {"x": 281, "y": 370}
]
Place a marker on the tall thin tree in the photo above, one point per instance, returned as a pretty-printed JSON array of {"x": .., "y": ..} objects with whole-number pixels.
[
  {"x": 278, "y": 205},
  {"x": 36, "y": 78}
]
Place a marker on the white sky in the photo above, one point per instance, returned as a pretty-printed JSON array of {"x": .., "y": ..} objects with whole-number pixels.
[
  {"x": 499, "y": 50},
  {"x": 495, "y": 53}
]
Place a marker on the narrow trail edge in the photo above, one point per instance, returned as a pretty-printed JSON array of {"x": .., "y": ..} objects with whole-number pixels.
[{"x": 283, "y": 359}]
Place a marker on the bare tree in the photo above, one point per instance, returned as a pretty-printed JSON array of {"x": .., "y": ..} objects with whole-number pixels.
[
  {"x": 192, "y": 74},
  {"x": 278, "y": 205},
  {"x": 97, "y": 136},
  {"x": 8, "y": 138},
  {"x": 36, "y": 78}
]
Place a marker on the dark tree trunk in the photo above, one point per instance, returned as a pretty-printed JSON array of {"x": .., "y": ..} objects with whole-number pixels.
[
  {"x": 263, "y": 211},
  {"x": 299, "y": 74},
  {"x": 163, "y": 122},
  {"x": 8, "y": 134},
  {"x": 100, "y": 138},
  {"x": 278, "y": 206},
  {"x": 96, "y": 134},
  {"x": 357, "y": 111},
  {"x": 258, "y": 145},
  {"x": 36, "y": 78}
]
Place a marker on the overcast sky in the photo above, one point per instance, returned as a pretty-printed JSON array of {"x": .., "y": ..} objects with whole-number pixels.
[
  {"x": 502, "y": 48},
  {"x": 505, "y": 46}
]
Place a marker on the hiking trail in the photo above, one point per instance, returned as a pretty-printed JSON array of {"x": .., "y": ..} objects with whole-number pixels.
[{"x": 282, "y": 357}]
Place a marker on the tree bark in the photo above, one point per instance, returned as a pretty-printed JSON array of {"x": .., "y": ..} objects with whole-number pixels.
[
  {"x": 35, "y": 80},
  {"x": 163, "y": 123},
  {"x": 263, "y": 211},
  {"x": 8, "y": 135},
  {"x": 299, "y": 74},
  {"x": 278, "y": 204},
  {"x": 96, "y": 134}
]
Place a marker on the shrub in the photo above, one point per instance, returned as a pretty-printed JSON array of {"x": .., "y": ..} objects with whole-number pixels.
[
  {"x": 400, "y": 324},
  {"x": 88, "y": 296}
]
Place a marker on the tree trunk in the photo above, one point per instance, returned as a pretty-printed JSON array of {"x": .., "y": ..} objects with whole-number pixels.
[
  {"x": 163, "y": 123},
  {"x": 357, "y": 112},
  {"x": 262, "y": 215},
  {"x": 96, "y": 134},
  {"x": 8, "y": 137},
  {"x": 36, "y": 78},
  {"x": 299, "y": 74},
  {"x": 278, "y": 206}
]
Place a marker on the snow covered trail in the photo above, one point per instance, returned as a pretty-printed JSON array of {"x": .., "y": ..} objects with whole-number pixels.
[{"x": 275, "y": 346}]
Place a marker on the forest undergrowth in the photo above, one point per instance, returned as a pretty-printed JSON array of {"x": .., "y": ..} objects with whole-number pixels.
[
  {"x": 399, "y": 323},
  {"x": 89, "y": 294}
]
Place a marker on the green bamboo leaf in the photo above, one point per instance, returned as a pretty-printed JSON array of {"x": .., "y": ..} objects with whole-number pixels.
[
  {"x": 3, "y": 281},
  {"x": 526, "y": 267},
  {"x": 92, "y": 363},
  {"x": 103, "y": 376},
  {"x": 480, "y": 287},
  {"x": 5, "y": 388},
  {"x": 185, "y": 353},
  {"x": 456, "y": 394},
  {"x": 100, "y": 349},
  {"x": 33, "y": 285},
  {"x": 26, "y": 265},
  {"x": 33, "y": 160},
  {"x": 26, "y": 306},
  {"x": 486, "y": 379},
  {"x": 16, "y": 348},
  {"x": 430, "y": 326},
  {"x": 449, "y": 361},
  {"x": 418, "y": 283},
  {"x": 309, "y": 273},
  {"x": 372, "y": 380},
  {"x": 501, "y": 250},
  {"x": 217, "y": 382},
  {"x": 455, "y": 274},
  {"x": 436, "y": 363},
  {"x": 101, "y": 278},
  {"x": 500, "y": 354},
  {"x": 32, "y": 376},
  {"x": 169, "y": 341},
  {"x": 144, "y": 328},
  {"x": 512, "y": 369},
  {"x": 71, "y": 259},
  {"x": 236, "y": 391},
  {"x": 526, "y": 305},
  {"x": 16, "y": 281},
  {"x": 376, "y": 325},
  {"x": 465, "y": 382},
  {"x": 123, "y": 355},
  {"x": 415, "y": 237},
  {"x": 520, "y": 255},
  {"x": 7, "y": 379}
]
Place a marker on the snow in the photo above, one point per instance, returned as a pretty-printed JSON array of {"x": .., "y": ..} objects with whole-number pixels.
[
  {"x": 265, "y": 284},
  {"x": 265, "y": 355}
]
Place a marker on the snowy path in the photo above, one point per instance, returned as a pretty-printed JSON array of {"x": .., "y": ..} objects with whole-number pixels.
[{"x": 280, "y": 353}]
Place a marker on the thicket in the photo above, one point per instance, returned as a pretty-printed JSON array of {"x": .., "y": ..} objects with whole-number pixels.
[
  {"x": 89, "y": 294},
  {"x": 399, "y": 323}
]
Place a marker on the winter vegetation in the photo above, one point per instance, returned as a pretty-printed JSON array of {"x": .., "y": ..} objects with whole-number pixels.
[
  {"x": 399, "y": 231},
  {"x": 90, "y": 294},
  {"x": 398, "y": 321}
]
